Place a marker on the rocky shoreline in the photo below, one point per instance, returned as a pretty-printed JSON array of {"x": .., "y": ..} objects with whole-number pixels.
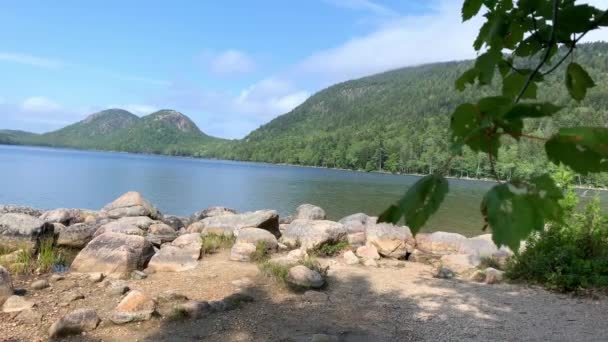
[{"x": 131, "y": 239}]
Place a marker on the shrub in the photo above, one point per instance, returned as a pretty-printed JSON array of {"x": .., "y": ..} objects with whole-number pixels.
[
  {"x": 261, "y": 253},
  {"x": 486, "y": 262},
  {"x": 567, "y": 256},
  {"x": 330, "y": 248},
  {"x": 212, "y": 243}
]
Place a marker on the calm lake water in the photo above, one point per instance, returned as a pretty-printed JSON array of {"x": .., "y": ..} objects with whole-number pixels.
[{"x": 54, "y": 178}]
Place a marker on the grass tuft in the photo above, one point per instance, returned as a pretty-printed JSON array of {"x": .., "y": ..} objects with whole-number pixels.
[
  {"x": 212, "y": 243},
  {"x": 261, "y": 253},
  {"x": 330, "y": 249},
  {"x": 178, "y": 313},
  {"x": 489, "y": 262}
]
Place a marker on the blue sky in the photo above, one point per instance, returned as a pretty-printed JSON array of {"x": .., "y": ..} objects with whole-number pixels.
[{"x": 230, "y": 65}]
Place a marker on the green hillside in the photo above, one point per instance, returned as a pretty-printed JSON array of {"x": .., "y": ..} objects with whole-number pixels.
[{"x": 397, "y": 122}]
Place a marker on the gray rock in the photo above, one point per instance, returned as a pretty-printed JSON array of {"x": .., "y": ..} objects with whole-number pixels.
[
  {"x": 120, "y": 227},
  {"x": 63, "y": 216},
  {"x": 77, "y": 235},
  {"x": 174, "y": 221},
  {"x": 310, "y": 212},
  {"x": 138, "y": 275},
  {"x": 115, "y": 255},
  {"x": 390, "y": 240},
  {"x": 6, "y": 285},
  {"x": 232, "y": 224},
  {"x": 72, "y": 297},
  {"x": 481, "y": 246},
  {"x": 134, "y": 307},
  {"x": 172, "y": 259},
  {"x": 141, "y": 222},
  {"x": 131, "y": 204},
  {"x": 310, "y": 234},
  {"x": 303, "y": 277},
  {"x": 493, "y": 276},
  {"x": 96, "y": 277},
  {"x": 350, "y": 258},
  {"x": 443, "y": 272},
  {"x": 440, "y": 243},
  {"x": 460, "y": 263},
  {"x": 23, "y": 231},
  {"x": 56, "y": 277},
  {"x": 16, "y": 209},
  {"x": 191, "y": 243},
  {"x": 75, "y": 323},
  {"x": 242, "y": 251},
  {"x": 40, "y": 284},
  {"x": 255, "y": 235},
  {"x": 211, "y": 212},
  {"x": 160, "y": 233},
  {"x": 16, "y": 304},
  {"x": 118, "y": 287}
]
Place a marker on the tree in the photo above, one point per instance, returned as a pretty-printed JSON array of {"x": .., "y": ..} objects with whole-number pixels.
[{"x": 519, "y": 42}]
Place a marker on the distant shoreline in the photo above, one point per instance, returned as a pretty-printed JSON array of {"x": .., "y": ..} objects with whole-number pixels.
[{"x": 485, "y": 179}]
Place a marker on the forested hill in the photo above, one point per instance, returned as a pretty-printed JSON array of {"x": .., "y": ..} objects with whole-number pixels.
[{"x": 397, "y": 121}]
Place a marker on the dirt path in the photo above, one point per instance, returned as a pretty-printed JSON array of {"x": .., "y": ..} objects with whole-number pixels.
[{"x": 360, "y": 304}]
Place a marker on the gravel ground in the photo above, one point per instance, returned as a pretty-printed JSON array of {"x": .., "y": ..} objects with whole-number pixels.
[{"x": 391, "y": 303}]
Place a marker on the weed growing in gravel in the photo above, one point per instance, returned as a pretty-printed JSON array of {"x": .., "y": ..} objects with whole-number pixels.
[{"x": 212, "y": 243}]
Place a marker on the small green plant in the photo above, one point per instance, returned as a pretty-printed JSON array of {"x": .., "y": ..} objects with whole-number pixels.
[
  {"x": 486, "y": 262},
  {"x": 49, "y": 256},
  {"x": 279, "y": 271},
  {"x": 212, "y": 243},
  {"x": 178, "y": 313},
  {"x": 330, "y": 248},
  {"x": 261, "y": 253}
]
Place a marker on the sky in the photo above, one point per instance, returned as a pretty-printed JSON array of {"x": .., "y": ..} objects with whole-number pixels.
[{"x": 230, "y": 65}]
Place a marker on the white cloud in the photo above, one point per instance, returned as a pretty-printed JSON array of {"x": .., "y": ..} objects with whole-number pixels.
[
  {"x": 26, "y": 59},
  {"x": 231, "y": 62},
  {"x": 363, "y": 5},
  {"x": 40, "y": 104},
  {"x": 270, "y": 97}
]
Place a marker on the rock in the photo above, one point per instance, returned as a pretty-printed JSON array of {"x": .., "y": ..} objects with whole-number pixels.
[
  {"x": 282, "y": 247},
  {"x": 16, "y": 209},
  {"x": 119, "y": 227},
  {"x": 56, "y": 277},
  {"x": 96, "y": 277},
  {"x": 23, "y": 231},
  {"x": 368, "y": 252},
  {"x": 172, "y": 259},
  {"x": 481, "y": 246},
  {"x": 113, "y": 254},
  {"x": 131, "y": 204},
  {"x": 72, "y": 297},
  {"x": 170, "y": 296},
  {"x": 370, "y": 263},
  {"x": 141, "y": 222},
  {"x": 118, "y": 287},
  {"x": 211, "y": 212},
  {"x": 64, "y": 216},
  {"x": 501, "y": 257},
  {"x": 40, "y": 284},
  {"x": 440, "y": 243},
  {"x": 160, "y": 233},
  {"x": 390, "y": 240},
  {"x": 286, "y": 220},
  {"x": 191, "y": 243},
  {"x": 303, "y": 277},
  {"x": 6, "y": 285},
  {"x": 77, "y": 235},
  {"x": 311, "y": 234},
  {"x": 297, "y": 254},
  {"x": 233, "y": 223},
  {"x": 493, "y": 276},
  {"x": 138, "y": 275},
  {"x": 460, "y": 263},
  {"x": 193, "y": 309},
  {"x": 443, "y": 272},
  {"x": 309, "y": 212},
  {"x": 350, "y": 258},
  {"x": 255, "y": 235},
  {"x": 174, "y": 222},
  {"x": 315, "y": 297},
  {"x": 29, "y": 316},
  {"x": 135, "y": 307},
  {"x": 242, "y": 251},
  {"x": 356, "y": 239},
  {"x": 478, "y": 276},
  {"x": 355, "y": 228},
  {"x": 323, "y": 338},
  {"x": 196, "y": 227},
  {"x": 16, "y": 303},
  {"x": 75, "y": 323}
]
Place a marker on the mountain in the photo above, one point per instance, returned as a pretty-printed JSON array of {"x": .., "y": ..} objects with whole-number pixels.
[
  {"x": 162, "y": 132},
  {"x": 8, "y": 136}
]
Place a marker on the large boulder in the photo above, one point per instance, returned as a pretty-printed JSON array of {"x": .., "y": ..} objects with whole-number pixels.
[
  {"x": 481, "y": 246},
  {"x": 390, "y": 240},
  {"x": 310, "y": 212},
  {"x": 175, "y": 222},
  {"x": 211, "y": 212},
  {"x": 231, "y": 224},
  {"x": 440, "y": 243},
  {"x": 141, "y": 222},
  {"x": 255, "y": 235},
  {"x": 131, "y": 204},
  {"x": 23, "y": 231},
  {"x": 242, "y": 251},
  {"x": 75, "y": 323},
  {"x": 6, "y": 285},
  {"x": 76, "y": 235},
  {"x": 17, "y": 209},
  {"x": 460, "y": 263},
  {"x": 113, "y": 254},
  {"x": 310, "y": 234},
  {"x": 134, "y": 307},
  {"x": 160, "y": 233},
  {"x": 180, "y": 255},
  {"x": 120, "y": 227},
  {"x": 64, "y": 216},
  {"x": 355, "y": 225},
  {"x": 303, "y": 277}
]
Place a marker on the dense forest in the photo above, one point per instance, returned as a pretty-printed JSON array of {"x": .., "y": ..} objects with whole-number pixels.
[{"x": 396, "y": 121}]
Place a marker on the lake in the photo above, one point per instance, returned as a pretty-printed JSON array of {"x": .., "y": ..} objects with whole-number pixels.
[{"x": 55, "y": 178}]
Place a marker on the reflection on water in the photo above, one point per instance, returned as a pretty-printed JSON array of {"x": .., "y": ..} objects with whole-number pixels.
[{"x": 52, "y": 178}]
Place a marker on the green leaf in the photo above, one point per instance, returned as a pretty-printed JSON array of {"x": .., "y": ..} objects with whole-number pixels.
[
  {"x": 575, "y": 19},
  {"x": 583, "y": 149},
  {"x": 470, "y": 8},
  {"x": 513, "y": 212},
  {"x": 528, "y": 47},
  {"x": 486, "y": 66},
  {"x": 513, "y": 84},
  {"x": 578, "y": 81},
  {"x": 494, "y": 106},
  {"x": 469, "y": 128},
  {"x": 468, "y": 77},
  {"x": 532, "y": 110},
  {"x": 419, "y": 203}
]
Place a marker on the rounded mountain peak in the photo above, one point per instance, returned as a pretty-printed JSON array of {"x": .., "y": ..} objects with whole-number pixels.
[{"x": 174, "y": 118}]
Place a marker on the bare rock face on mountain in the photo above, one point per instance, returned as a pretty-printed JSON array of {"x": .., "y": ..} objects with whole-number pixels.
[
  {"x": 174, "y": 119},
  {"x": 23, "y": 231},
  {"x": 131, "y": 204},
  {"x": 113, "y": 254},
  {"x": 310, "y": 234},
  {"x": 231, "y": 224}
]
